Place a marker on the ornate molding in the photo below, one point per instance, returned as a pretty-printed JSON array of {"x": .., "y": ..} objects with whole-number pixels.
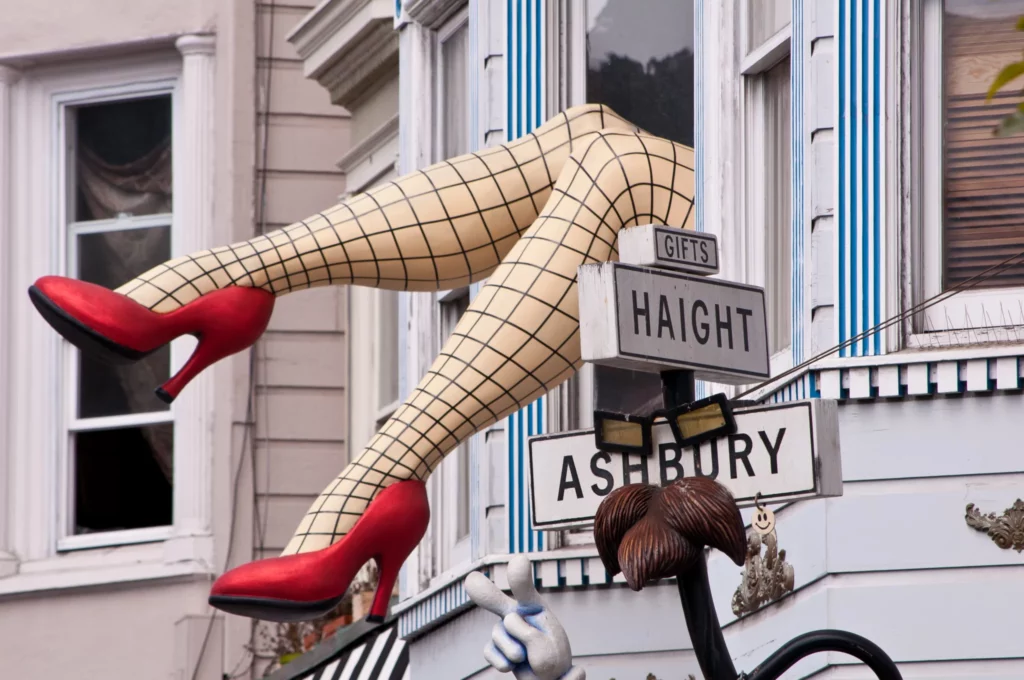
[
  {"x": 364, "y": 67},
  {"x": 346, "y": 44},
  {"x": 432, "y": 13},
  {"x": 764, "y": 580},
  {"x": 1006, "y": 530}
]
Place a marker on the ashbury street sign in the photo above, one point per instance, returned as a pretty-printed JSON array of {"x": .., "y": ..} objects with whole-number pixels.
[
  {"x": 784, "y": 452},
  {"x": 650, "y": 319}
]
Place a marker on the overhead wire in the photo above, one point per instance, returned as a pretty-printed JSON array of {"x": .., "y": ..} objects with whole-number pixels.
[
  {"x": 967, "y": 284},
  {"x": 247, "y": 444}
]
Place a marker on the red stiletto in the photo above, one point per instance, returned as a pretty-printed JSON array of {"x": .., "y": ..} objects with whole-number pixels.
[
  {"x": 114, "y": 327},
  {"x": 307, "y": 586}
]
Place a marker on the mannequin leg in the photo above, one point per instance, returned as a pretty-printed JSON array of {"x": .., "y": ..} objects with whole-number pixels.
[
  {"x": 438, "y": 228},
  {"x": 520, "y": 336}
]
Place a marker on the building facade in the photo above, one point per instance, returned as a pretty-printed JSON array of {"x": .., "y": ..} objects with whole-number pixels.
[
  {"x": 131, "y": 132},
  {"x": 846, "y": 163}
]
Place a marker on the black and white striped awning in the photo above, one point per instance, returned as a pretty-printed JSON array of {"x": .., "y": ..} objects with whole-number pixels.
[{"x": 359, "y": 652}]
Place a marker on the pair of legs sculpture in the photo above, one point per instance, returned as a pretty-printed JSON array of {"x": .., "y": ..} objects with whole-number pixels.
[{"x": 524, "y": 215}]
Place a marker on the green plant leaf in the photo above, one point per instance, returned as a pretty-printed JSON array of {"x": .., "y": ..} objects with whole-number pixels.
[
  {"x": 287, "y": 658},
  {"x": 1009, "y": 72},
  {"x": 1012, "y": 124},
  {"x": 1020, "y": 24}
]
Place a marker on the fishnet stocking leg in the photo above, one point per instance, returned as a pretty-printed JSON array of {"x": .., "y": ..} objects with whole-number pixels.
[
  {"x": 443, "y": 227},
  {"x": 520, "y": 336}
]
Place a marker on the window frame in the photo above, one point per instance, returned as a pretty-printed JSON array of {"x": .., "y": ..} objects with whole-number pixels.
[
  {"x": 36, "y": 419},
  {"x": 451, "y": 548},
  {"x": 755, "y": 64},
  {"x": 921, "y": 162},
  {"x": 441, "y": 35},
  {"x": 70, "y": 231}
]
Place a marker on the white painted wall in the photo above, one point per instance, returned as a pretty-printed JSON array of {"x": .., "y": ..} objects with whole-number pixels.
[
  {"x": 892, "y": 559},
  {"x": 30, "y": 28}
]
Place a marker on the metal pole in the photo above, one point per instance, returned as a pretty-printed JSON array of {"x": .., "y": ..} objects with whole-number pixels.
[
  {"x": 694, "y": 589},
  {"x": 702, "y": 623},
  {"x": 826, "y": 641}
]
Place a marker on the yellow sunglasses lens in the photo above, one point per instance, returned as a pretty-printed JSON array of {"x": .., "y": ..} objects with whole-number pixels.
[
  {"x": 699, "y": 421},
  {"x": 621, "y": 433}
]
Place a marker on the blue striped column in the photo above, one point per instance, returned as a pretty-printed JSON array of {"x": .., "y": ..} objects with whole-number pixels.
[
  {"x": 701, "y": 388},
  {"x": 860, "y": 148},
  {"x": 800, "y": 312},
  {"x": 524, "y": 102}
]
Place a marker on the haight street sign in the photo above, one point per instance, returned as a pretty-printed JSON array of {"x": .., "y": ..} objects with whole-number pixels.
[
  {"x": 653, "y": 320},
  {"x": 784, "y": 451},
  {"x": 654, "y": 245}
]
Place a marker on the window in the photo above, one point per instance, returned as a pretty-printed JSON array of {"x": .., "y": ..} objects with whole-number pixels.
[
  {"x": 386, "y": 354},
  {"x": 447, "y": 541},
  {"x": 449, "y": 488},
  {"x": 453, "y": 105},
  {"x": 767, "y": 164},
  {"x": 117, "y": 201},
  {"x": 972, "y": 199},
  {"x": 637, "y": 57},
  {"x": 639, "y": 61}
]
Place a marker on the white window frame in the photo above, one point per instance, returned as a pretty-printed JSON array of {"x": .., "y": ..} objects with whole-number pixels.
[
  {"x": 37, "y": 419},
  {"x": 458, "y": 21},
  {"x": 921, "y": 262},
  {"x": 753, "y": 65},
  {"x": 445, "y": 550},
  {"x": 68, "y": 540}
]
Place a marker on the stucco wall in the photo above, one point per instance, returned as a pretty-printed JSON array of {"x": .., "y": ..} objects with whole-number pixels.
[
  {"x": 56, "y": 25},
  {"x": 127, "y": 632}
]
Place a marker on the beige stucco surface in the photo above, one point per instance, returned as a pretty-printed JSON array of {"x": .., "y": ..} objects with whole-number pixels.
[
  {"x": 111, "y": 632},
  {"x": 42, "y": 26}
]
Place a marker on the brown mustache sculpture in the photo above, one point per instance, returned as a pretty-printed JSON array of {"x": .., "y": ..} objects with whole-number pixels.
[{"x": 649, "y": 532}]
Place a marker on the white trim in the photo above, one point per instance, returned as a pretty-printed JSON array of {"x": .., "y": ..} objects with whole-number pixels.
[
  {"x": 35, "y": 425},
  {"x": 116, "y": 422},
  {"x": 70, "y": 231},
  {"x": 32, "y": 581},
  {"x": 109, "y": 538},
  {"x": 970, "y": 317},
  {"x": 769, "y": 53}
]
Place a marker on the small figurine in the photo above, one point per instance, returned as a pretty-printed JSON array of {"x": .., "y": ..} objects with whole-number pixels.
[{"x": 529, "y": 640}]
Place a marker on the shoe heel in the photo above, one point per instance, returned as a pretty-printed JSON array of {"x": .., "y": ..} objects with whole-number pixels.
[
  {"x": 387, "y": 575},
  {"x": 226, "y": 322}
]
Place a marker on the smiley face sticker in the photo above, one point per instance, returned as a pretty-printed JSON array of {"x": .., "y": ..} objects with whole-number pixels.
[{"x": 763, "y": 521}]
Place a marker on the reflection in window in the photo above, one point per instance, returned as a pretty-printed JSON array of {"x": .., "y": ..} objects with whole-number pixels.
[
  {"x": 640, "y": 56},
  {"x": 983, "y": 175},
  {"x": 119, "y": 206}
]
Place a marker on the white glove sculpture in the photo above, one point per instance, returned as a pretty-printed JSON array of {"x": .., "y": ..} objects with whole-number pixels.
[{"x": 529, "y": 640}]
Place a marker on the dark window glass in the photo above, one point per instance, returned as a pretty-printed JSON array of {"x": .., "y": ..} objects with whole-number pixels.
[
  {"x": 122, "y": 153},
  {"x": 123, "y": 479},
  {"x": 640, "y": 57}
]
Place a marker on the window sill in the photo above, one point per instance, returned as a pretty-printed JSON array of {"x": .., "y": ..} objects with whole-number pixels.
[{"x": 172, "y": 559}]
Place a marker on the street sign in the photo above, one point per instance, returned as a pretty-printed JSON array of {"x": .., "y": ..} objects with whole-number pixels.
[
  {"x": 654, "y": 320},
  {"x": 654, "y": 245},
  {"x": 784, "y": 451}
]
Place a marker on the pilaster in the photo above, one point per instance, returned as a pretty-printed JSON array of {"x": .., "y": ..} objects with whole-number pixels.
[
  {"x": 8, "y": 78},
  {"x": 193, "y": 229}
]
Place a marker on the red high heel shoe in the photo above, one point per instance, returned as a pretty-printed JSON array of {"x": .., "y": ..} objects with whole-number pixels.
[
  {"x": 307, "y": 586},
  {"x": 115, "y": 328}
]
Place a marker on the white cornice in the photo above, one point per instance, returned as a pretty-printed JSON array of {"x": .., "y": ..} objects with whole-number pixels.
[
  {"x": 431, "y": 13},
  {"x": 373, "y": 143},
  {"x": 346, "y": 44}
]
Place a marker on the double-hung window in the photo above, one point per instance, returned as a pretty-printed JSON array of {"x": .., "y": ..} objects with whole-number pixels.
[
  {"x": 969, "y": 231},
  {"x": 764, "y": 38},
  {"x": 448, "y": 537},
  {"x": 637, "y": 57},
  {"x": 118, "y": 466}
]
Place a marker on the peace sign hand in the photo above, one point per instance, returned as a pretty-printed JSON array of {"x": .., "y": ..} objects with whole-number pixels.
[{"x": 529, "y": 640}]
